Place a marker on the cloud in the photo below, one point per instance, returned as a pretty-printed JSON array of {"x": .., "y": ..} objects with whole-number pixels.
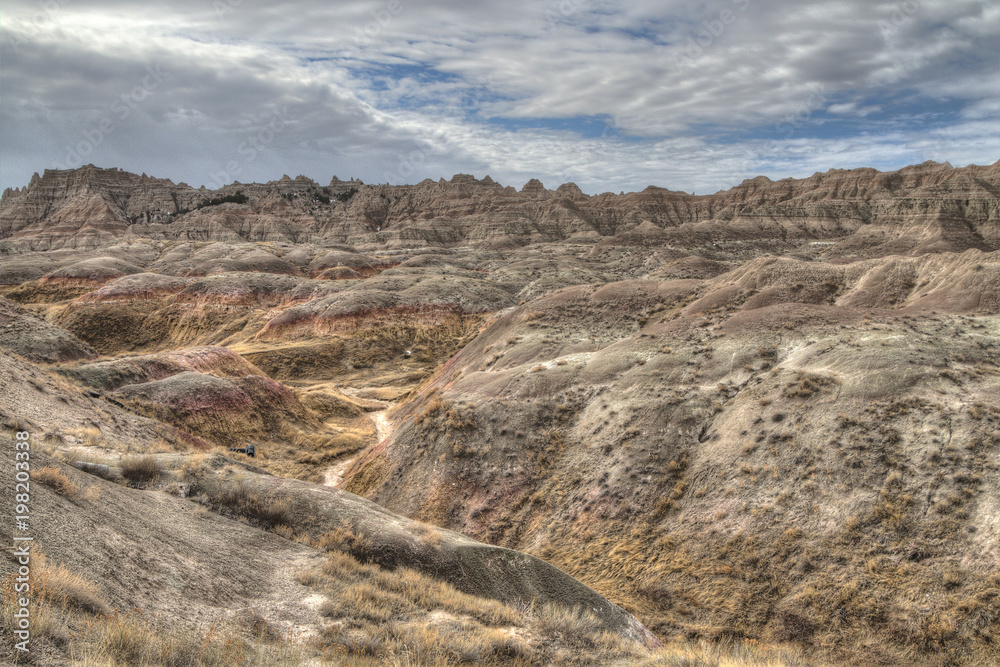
[
  {"x": 852, "y": 109},
  {"x": 612, "y": 95}
]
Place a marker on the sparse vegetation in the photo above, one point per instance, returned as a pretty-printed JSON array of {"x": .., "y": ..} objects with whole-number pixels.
[
  {"x": 132, "y": 639},
  {"x": 140, "y": 469},
  {"x": 807, "y": 384},
  {"x": 751, "y": 440},
  {"x": 55, "y": 479},
  {"x": 238, "y": 497},
  {"x": 346, "y": 195},
  {"x": 381, "y": 616},
  {"x": 237, "y": 198}
]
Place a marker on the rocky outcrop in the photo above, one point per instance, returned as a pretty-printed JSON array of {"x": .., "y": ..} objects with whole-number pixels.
[{"x": 863, "y": 212}]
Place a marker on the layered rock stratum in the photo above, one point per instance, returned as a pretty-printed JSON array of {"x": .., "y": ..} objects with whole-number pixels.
[
  {"x": 767, "y": 415},
  {"x": 928, "y": 207}
]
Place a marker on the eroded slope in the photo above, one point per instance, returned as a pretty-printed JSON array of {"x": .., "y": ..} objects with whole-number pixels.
[{"x": 795, "y": 451}]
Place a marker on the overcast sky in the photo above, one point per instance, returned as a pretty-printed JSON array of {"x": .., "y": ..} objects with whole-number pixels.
[{"x": 693, "y": 96}]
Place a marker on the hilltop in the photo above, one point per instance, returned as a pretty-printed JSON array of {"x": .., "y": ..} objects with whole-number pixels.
[{"x": 867, "y": 211}]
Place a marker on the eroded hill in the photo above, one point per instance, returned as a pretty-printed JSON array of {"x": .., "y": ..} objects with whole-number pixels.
[
  {"x": 861, "y": 212},
  {"x": 766, "y": 416},
  {"x": 727, "y": 458}
]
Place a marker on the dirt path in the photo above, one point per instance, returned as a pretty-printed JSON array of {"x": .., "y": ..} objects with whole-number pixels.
[
  {"x": 382, "y": 426},
  {"x": 334, "y": 475}
]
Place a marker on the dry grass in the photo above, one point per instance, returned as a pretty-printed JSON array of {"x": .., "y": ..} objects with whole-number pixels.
[
  {"x": 329, "y": 404},
  {"x": 807, "y": 384},
  {"x": 402, "y": 617},
  {"x": 446, "y": 417},
  {"x": 570, "y": 624},
  {"x": 55, "y": 479},
  {"x": 239, "y": 498},
  {"x": 132, "y": 639},
  {"x": 729, "y": 653},
  {"x": 384, "y": 616},
  {"x": 324, "y": 445},
  {"x": 65, "y": 589},
  {"x": 405, "y": 618},
  {"x": 56, "y": 585},
  {"x": 858, "y": 597},
  {"x": 305, "y": 453},
  {"x": 428, "y": 534},
  {"x": 140, "y": 469},
  {"x": 91, "y": 437},
  {"x": 342, "y": 538},
  {"x": 55, "y": 592},
  {"x": 71, "y": 619},
  {"x": 47, "y": 626}
]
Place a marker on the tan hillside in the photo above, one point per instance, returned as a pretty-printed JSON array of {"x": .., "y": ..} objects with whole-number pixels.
[{"x": 503, "y": 426}]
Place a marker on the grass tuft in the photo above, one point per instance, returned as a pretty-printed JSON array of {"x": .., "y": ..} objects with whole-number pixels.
[
  {"x": 244, "y": 499},
  {"x": 140, "y": 470},
  {"x": 55, "y": 479}
]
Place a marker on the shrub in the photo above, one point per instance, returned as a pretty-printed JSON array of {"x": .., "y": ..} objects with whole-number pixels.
[
  {"x": 56, "y": 586},
  {"x": 140, "y": 469},
  {"x": 55, "y": 479},
  {"x": 343, "y": 538},
  {"x": 429, "y": 535},
  {"x": 807, "y": 384},
  {"x": 92, "y": 437},
  {"x": 67, "y": 589},
  {"x": 570, "y": 623},
  {"x": 248, "y": 501}
]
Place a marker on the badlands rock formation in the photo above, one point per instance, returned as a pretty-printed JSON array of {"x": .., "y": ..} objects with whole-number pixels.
[
  {"x": 925, "y": 208},
  {"x": 766, "y": 414}
]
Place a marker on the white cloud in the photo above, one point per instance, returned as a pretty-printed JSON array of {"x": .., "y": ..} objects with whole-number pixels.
[
  {"x": 701, "y": 94},
  {"x": 852, "y": 109}
]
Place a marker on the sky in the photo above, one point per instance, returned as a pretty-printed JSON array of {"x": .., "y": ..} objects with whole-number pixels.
[{"x": 614, "y": 96}]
